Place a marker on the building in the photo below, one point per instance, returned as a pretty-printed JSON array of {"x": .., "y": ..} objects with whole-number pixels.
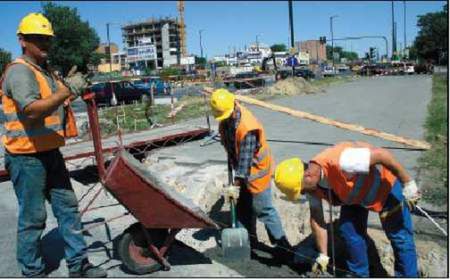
[
  {"x": 316, "y": 50},
  {"x": 154, "y": 43},
  {"x": 105, "y": 65}
]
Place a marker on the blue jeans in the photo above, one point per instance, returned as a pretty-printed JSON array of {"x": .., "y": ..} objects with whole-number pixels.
[
  {"x": 398, "y": 229},
  {"x": 37, "y": 177},
  {"x": 258, "y": 206}
]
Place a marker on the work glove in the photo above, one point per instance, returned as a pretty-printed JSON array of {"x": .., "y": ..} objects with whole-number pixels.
[
  {"x": 76, "y": 82},
  {"x": 411, "y": 194},
  {"x": 231, "y": 192},
  {"x": 320, "y": 263}
]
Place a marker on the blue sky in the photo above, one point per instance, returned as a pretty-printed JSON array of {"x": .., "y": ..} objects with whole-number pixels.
[{"x": 229, "y": 24}]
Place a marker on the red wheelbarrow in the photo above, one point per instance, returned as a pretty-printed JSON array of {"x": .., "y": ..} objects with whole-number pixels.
[{"x": 161, "y": 212}]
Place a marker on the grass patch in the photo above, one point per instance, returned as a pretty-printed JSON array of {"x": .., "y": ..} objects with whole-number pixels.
[
  {"x": 133, "y": 117},
  {"x": 434, "y": 162}
]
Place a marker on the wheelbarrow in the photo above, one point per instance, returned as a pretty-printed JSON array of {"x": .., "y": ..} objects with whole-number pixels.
[{"x": 161, "y": 211}]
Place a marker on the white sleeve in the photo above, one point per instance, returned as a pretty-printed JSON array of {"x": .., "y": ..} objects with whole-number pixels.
[{"x": 355, "y": 160}]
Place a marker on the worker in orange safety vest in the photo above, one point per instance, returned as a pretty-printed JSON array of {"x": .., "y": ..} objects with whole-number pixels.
[
  {"x": 38, "y": 119},
  {"x": 244, "y": 140},
  {"x": 360, "y": 178}
]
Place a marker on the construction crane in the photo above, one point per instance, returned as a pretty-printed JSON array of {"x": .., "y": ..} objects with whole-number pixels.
[{"x": 180, "y": 7}]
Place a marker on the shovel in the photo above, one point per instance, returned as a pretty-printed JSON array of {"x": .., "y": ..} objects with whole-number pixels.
[{"x": 235, "y": 242}]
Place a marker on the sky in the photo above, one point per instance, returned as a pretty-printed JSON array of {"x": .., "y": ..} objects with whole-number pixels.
[{"x": 229, "y": 25}]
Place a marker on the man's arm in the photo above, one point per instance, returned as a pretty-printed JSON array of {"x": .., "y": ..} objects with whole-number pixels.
[
  {"x": 384, "y": 157},
  {"x": 41, "y": 108},
  {"x": 246, "y": 152},
  {"x": 318, "y": 225}
]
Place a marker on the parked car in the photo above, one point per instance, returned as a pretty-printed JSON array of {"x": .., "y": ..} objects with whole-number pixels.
[
  {"x": 409, "y": 68},
  {"x": 254, "y": 80},
  {"x": 328, "y": 71},
  {"x": 146, "y": 83},
  {"x": 305, "y": 73},
  {"x": 125, "y": 92}
]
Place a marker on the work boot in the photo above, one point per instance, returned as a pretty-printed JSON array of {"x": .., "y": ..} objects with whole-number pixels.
[
  {"x": 283, "y": 251},
  {"x": 88, "y": 271}
]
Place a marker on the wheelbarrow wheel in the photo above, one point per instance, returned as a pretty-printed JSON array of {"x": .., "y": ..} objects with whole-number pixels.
[{"x": 133, "y": 249}]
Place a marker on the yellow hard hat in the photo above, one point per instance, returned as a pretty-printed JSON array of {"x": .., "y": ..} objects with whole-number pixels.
[
  {"x": 289, "y": 176},
  {"x": 222, "y": 104},
  {"x": 35, "y": 23}
]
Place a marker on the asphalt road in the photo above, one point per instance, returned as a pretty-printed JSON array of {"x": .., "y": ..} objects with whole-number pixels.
[{"x": 392, "y": 104}]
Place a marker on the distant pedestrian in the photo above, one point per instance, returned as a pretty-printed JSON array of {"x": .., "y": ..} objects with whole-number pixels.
[{"x": 38, "y": 119}]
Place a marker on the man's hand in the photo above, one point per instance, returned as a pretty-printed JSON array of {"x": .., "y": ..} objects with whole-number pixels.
[
  {"x": 411, "y": 194},
  {"x": 76, "y": 82},
  {"x": 231, "y": 192},
  {"x": 320, "y": 263}
]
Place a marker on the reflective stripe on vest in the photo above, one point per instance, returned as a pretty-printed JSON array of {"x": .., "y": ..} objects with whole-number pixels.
[
  {"x": 259, "y": 175},
  {"x": 370, "y": 196},
  {"x": 23, "y": 135},
  {"x": 260, "y": 157}
]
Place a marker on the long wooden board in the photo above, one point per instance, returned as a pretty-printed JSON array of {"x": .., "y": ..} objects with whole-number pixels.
[{"x": 352, "y": 127}]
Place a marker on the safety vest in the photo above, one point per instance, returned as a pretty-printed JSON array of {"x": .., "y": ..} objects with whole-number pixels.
[
  {"x": 368, "y": 190},
  {"x": 261, "y": 168},
  {"x": 25, "y": 136}
]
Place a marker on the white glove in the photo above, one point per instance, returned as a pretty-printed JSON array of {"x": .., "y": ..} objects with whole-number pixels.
[
  {"x": 231, "y": 192},
  {"x": 411, "y": 193},
  {"x": 321, "y": 263}
]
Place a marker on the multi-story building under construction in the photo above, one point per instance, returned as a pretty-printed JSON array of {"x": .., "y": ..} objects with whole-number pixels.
[{"x": 154, "y": 43}]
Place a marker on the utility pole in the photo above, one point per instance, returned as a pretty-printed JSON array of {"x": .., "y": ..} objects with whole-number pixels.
[
  {"x": 201, "y": 46},
  {"x": 109, "y": 47},
  {"x": 394, "y": 45},
  {"x": 332, "y": 42},
  {"x": 291, "y": 28},
  {"x": 404, "y": 25},
  {"x": 257, "y": 44}
]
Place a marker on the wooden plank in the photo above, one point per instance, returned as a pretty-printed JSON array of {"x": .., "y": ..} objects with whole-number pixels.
[{"x": 348, "y": 126}]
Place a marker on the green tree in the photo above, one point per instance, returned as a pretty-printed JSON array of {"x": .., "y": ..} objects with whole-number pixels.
[
  {"x": 200, "y": 60},
  {"x": 74, "y": 42},
  {"x": 5, "y": 59},
  {"x": 278, "y": 48},
  {"x": 431, "y": 42},
  {"x": 342, "y": 54}
]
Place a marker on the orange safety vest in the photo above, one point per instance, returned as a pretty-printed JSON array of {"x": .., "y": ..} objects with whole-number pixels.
[
  {"x": 368, "y": 190},
  {"x": 25, "y": 136},
  {"x": 261, "y": 168}
]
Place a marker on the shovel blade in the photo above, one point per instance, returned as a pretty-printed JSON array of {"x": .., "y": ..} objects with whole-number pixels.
[{"x": 235, "y": 244}]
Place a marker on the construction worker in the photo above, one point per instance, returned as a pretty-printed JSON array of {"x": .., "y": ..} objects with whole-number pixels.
[
  {"x": 244, "y": 141},
  {"x": 37, "y": 119},
  {"x": 361, "y": 178}
]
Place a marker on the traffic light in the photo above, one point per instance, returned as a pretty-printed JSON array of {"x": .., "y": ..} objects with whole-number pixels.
[
  {"x": 323, "y": 40},
  {"x": 372, "y": 53}
]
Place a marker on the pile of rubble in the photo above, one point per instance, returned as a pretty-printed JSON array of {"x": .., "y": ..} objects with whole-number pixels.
[{"x": 291, "y": 86}]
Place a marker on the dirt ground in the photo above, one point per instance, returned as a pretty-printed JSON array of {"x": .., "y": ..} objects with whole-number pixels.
[{"x": 203, "y": 184}]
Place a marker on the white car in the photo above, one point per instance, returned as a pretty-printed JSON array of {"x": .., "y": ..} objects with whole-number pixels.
[
  {"x": 328, "y": 71},
  {"x": 409, "y": 68}
]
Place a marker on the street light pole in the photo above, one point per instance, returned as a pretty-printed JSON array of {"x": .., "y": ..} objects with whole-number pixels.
[
  {"x": 201, "y": 46},
  {"x": 291, "y": 28},
  {"x": 257, "y": 43},
  {"x": 332, "y": 43},
  {"x": 394, "y": 43},
  {"x": 404, "y": 25},
  {"x": 109, "y": 47}
]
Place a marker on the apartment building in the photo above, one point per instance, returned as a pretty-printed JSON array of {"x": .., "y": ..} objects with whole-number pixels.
[{"x": 154, "y": 43}]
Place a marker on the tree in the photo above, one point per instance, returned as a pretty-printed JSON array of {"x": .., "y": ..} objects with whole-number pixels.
[
  {"x": 342, "y": 54},
  {"x": 5, "y": 59},
  {"x": 278, "y": 48},
  {"x": 75, "y": 41},
  {"x": 431, "y": 42},
  {"x": 200, "y": 60}
]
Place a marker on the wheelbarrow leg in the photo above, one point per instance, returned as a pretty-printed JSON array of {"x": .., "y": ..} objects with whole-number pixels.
[
  {"x": 168, "y": 241},
  {"x": 158, "y": 255}
]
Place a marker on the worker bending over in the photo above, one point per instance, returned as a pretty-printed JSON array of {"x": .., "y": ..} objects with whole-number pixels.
[
  {"x": 360, "y": 177},
  {"x": 38, "y": 117},
  {"x": 244, "y": 140}
]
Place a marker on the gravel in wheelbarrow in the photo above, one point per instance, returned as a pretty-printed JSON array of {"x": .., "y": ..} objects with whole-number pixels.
[{"x": 160, "y": 210}]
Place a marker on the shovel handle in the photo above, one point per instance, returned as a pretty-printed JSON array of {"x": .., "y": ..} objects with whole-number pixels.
[{"x": 230, "y": 182}]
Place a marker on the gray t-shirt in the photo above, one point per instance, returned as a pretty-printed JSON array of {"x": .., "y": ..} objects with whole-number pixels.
[{"x": 21, "y": 85}]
